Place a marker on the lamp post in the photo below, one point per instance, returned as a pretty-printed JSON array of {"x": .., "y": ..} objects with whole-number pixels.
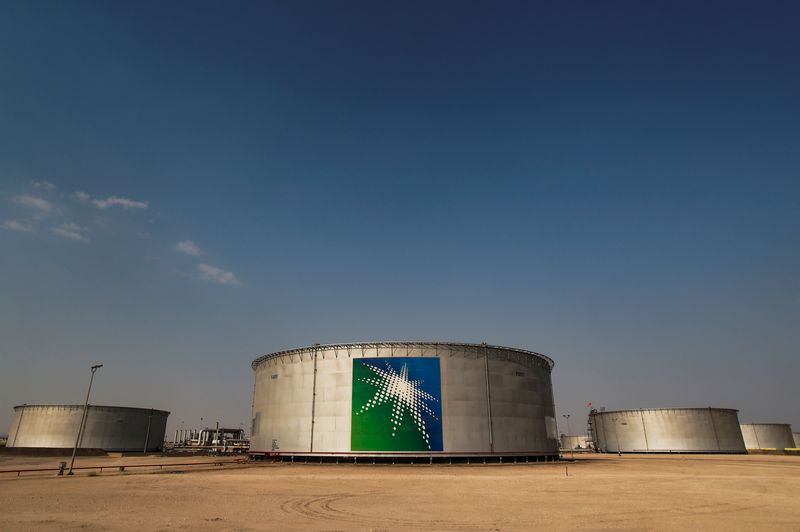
[
  {"x": 83, "y": 418},
  {"x": 569, "y": 433}
]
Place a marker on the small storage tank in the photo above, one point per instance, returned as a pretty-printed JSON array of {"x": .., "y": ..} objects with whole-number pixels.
[
  {"x": 767, "y": 436},
  {"x": 583, "y": 441},
  {"x": 668, "y": 430},
  {"x": 111, "y": 428},
  {"x": 393, "y": 400}
]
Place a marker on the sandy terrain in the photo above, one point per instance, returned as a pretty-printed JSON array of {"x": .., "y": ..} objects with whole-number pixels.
[{"x": 601, "y": 492}]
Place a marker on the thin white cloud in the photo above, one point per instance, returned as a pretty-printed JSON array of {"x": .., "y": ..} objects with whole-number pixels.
[
  {"x": 125, "y": 203},
  {"x": 70, "y": 231},
  {"x": 188, "y": 247},
  {"x": 218, "y": 275},
  {"x": 16, "y": 225},
  {"x": 111, "y": 201},
  {"x": 44, "y": 185},
  {"x": 34, "y": 202},
  {"x": 74, "y": 227}
]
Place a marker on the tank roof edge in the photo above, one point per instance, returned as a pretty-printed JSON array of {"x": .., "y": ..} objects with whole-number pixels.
[
  {"x": 346, "y": 345},
  {"x": 43, "y": 405}
]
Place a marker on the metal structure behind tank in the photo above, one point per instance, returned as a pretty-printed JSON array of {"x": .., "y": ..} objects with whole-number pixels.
[
  {"x": 111, "y": 428},
  {"x": 494, "y": 400},
  {"x": 668, "y": 430},
  {"x": 767, "y": 436}
]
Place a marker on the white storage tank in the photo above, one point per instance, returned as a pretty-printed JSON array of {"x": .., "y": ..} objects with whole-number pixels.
[
  {"x": 580, "y": 442},
  {"x": 111, "y": 428},
  {"x": 383, "y": 399},
  {"x": 668, "y": 430},
  {"x": 768, "y": 436}
]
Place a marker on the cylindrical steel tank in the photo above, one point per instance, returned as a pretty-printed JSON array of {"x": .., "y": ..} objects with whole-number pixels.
[
  {"x": 583, "y": 441},
  {"x": 776, "y": 436},
  {"x": 668, "y": 430},
  {"x": 403, "y": 399},
  {"x": 111, "y": 428},
  {"x": 796, "y": 436}
]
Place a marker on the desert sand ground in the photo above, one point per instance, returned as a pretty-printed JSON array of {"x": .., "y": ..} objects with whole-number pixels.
[{"x": 601, "y": 492}]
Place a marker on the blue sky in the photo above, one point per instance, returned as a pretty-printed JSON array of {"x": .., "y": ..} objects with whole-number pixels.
[{"x": 185, "y": 186}]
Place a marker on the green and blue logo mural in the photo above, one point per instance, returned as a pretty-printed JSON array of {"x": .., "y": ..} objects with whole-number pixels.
[{"x": 397, "y": 404}]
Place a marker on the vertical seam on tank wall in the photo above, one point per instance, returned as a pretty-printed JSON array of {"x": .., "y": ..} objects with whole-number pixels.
[
  {"x": 605, "y": 433},
  {"x": 253, "y": 408},
  {"x": 313, "y": 399},
  {"x": 714, "y": 428},
  {"x": 488, "y": 397},
  {"x": 616, "y": 432},
  {"x": 147, "y": 435},
  {"x": 19, "y": 424},
  {"x": 549, "y": 370},
  {"x": 644, "y": 431}
]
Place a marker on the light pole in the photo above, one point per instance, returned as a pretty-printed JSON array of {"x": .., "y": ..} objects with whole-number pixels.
[
  {"x": 569, "y": 434},
  {"x": 83, "y": 418}
]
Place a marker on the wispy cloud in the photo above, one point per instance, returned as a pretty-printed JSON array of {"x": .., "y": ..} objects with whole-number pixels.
[
  {"x": 218, "y": 275},
  {"x": 111, "y": 201},
  {"x": 188, "y": 247},
  {"x": 16, "y": 225},
  {"x": 44, "y": 185},
  {"x": 34, "y": 202},
  {"x": 125, "y": 203},
  {"x": 70, "y": 231}
]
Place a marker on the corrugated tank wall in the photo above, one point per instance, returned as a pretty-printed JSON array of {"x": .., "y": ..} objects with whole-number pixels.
[
  {"x": 666, "y": 430},
  {"x": 767, "y": 436},
  {"x": 107, "y": 427},
  {"x": 487, "y": 399}
]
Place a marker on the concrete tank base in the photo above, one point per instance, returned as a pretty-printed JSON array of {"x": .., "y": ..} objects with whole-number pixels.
[
  {"x": 49, "y": 451},
  {"x": 406, "y": 458}
]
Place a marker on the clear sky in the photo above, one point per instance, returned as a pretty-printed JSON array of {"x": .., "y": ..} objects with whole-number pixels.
[{"x": 185, "y": 186}]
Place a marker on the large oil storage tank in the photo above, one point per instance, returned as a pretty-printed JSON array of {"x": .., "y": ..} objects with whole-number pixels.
[
  {"x": 404, "y": 399},
  {"x": 583, "y": 441},
  {"x": 776, "y": 436},
  {"x": 111, "y": 428},
  {"x": 668, "y": 430}
]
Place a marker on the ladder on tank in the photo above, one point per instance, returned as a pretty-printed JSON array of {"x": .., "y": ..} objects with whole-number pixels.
[{"x": 589, "y": 431}]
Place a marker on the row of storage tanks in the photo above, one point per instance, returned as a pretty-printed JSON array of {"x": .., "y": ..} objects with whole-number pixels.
[
  {"x": 688, "y": 430},
  {"x": 359, "y": 399},
  {"x": 477, "y": 400},
  {"x": 408, "y": 399}
]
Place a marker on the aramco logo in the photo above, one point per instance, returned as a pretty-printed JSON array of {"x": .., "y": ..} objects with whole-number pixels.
[{"x": 397, "y": 404}]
